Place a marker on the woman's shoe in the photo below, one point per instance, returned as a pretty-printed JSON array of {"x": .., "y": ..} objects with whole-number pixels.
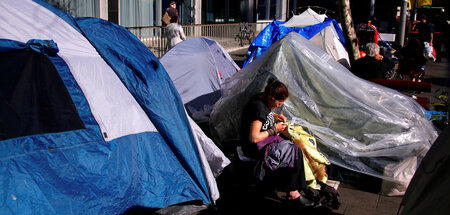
[{"x": 302, "y": 200}]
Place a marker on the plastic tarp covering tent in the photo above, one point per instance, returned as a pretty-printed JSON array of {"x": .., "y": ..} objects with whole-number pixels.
[
  {"x": 197, "y": 67},
  {"x": 324, "y": 32},
  {"x": 308, "y": 17},
  {"x": 359, "y": 125},
  {"x": 133, "y": 145}
]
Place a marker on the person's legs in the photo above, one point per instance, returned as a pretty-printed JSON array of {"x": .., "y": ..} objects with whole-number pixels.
[
  {"x": 297, "y": 183},
  {"x": 291, "y": 180},
  {"x": 297, "y": 176}
]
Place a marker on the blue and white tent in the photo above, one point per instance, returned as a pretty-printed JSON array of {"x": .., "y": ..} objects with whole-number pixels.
[
  {"x": 90, "y": 122},
  {"x": 320, "y": 30}
]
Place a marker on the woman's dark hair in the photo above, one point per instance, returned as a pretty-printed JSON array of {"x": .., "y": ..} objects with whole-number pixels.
[{"x": 276, "y": 89}]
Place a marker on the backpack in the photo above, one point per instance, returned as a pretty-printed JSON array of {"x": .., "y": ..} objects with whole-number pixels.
[{"x": 165, "y": 19}]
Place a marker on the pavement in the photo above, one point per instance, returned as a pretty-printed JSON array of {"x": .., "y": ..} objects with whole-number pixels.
[
  {"x": 238, "y": 53},
  {"x": 437, "y": 73},
  {"x": 359, "y": 195}
]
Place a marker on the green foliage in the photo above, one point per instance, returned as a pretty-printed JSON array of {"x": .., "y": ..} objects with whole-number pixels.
[{"x": 443, "y": 106}]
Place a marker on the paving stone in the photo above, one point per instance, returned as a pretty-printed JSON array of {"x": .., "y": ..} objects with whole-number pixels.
[
  {"x": 389, "y": 204},
  {"x": 358, "y": 198},
  {"x": 357, "y": 210}
]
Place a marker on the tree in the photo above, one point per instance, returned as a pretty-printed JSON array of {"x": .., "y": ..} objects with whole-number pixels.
[{"x": 351, "y": 40}]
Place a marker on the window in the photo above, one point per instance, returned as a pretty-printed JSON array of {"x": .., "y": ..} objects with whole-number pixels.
[
  {"x": 78, "y": 8},
  {"x": 33, "y": 97}
]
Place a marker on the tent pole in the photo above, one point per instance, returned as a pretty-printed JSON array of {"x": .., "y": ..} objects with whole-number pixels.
[{"x": 372, "y": 10}]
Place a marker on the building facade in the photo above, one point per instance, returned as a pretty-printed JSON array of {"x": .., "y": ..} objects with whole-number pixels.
[{"x": 139, "y": 13}]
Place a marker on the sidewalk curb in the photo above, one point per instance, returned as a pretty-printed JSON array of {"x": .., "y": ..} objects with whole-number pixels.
[{"x": 233, "y": 49}]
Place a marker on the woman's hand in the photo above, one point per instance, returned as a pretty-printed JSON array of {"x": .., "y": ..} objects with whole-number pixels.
[
  {"x": 279, "y": 117},
  {"x": 378, "y": 57},
  {"x": 280, "y": 126}
]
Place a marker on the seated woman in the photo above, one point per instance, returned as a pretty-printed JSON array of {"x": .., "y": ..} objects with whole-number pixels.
[
  {"x": 260, "y": 127},
  {"x": 373, "y": 65}
]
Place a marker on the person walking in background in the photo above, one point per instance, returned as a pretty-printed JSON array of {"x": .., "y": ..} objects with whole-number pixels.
[
  {"x": 171, "y": 12},
  {"x": 425, "y": 33},
  {"x": 425, "y": 30},
  {"x": 440, "y": 24},
  {"x": 411, "y": 61},
  {"x": 174, "y": 33}
]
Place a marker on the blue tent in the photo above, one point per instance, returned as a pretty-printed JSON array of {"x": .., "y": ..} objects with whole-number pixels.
[
  {"x": 90, "y": 122},
  {"x": 276, "y": 30}
]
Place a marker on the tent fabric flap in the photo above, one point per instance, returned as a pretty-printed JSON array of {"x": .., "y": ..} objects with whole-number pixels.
[
  {"x": 96, "y": 177},
  {"x": 428, "y": 190},
  {"x": 33, "y": 98}
]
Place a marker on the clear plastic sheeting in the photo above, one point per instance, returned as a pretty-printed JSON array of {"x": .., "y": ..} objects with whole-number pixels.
[{"x": 358, "y": 124}]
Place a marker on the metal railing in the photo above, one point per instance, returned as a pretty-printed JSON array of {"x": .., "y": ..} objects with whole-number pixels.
[{"x": 225, "y": 34}]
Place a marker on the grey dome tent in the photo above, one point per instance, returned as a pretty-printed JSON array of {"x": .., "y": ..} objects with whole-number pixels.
[
  {"x": 359, "y": 125},
  {"x": 198, "y": 66}
]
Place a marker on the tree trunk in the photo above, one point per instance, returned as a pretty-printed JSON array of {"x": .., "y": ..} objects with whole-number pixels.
[{"x": 349, "y": 30}]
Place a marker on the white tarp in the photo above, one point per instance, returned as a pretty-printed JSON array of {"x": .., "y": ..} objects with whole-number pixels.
[
  {"x": 327, "y": 39},
  {"x": 308, "y": 17}
]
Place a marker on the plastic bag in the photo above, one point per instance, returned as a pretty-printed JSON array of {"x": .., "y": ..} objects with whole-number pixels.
[{"x": 429, "y": 52}]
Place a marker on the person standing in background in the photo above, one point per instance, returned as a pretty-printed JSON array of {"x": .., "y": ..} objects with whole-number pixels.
[
  {"x": 174, "y": 33},
  {"x": 172, "y": 10},
  {"x": 425, "y": 30},
  {"x": 440, "y": 24}
]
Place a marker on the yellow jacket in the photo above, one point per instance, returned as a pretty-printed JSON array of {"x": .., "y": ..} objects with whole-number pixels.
[{"x": 313, "y": 160}]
